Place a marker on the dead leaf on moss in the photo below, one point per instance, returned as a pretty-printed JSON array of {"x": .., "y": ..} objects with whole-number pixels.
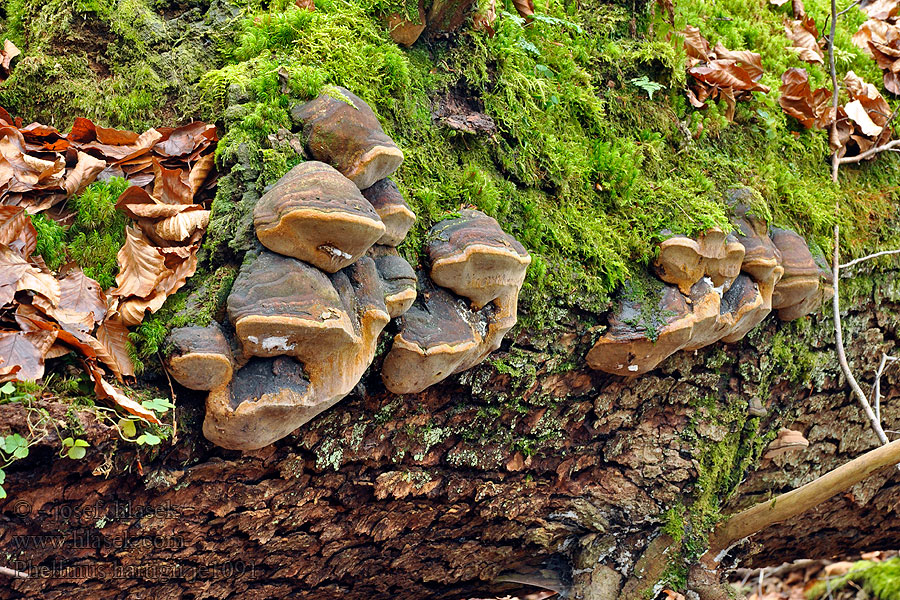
[{"x": 804, "y": 37}]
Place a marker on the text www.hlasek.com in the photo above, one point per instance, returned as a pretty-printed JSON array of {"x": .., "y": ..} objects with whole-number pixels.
[
  {"x": 88, "y": 538},
  {"x": 145, "y": 572}
]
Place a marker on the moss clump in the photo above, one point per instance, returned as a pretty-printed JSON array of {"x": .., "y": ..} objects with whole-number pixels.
[
  {"x": 51, "y": 240},
  {"x": 115, "y": 61},
  {"x": 94, "y": 239},
  {"x": 881, "y": 579}
]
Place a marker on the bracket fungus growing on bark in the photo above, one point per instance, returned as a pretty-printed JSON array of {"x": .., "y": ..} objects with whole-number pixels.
[
  {"x": 343, "y": 131},
  {"x": 395, "y": 213},
  {"x": 306, "y": 310},
  {"x": 443, "y": 334},
  {"x": 200, "y": 358},
  {"x": 317, "y": 215},
  {"x": 720, "y": 287}
]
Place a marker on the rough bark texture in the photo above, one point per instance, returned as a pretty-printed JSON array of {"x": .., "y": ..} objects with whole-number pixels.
[{"x": 547, "y": 465}]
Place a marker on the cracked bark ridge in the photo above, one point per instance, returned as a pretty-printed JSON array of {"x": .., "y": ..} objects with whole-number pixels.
[{"x": 395, "y": 498}]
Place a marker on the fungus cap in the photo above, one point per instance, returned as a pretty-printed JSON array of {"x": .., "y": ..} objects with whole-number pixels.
[
  {"x": 343, "y": 131},
  {"x": 395, "y": 213},
  {"x": 201, "y": 357},
  {"x": 398, "y": 279},
  {"x": 471, "y": 255}
]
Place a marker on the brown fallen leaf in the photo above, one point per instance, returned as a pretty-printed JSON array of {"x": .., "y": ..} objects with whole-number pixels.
[
  {"x": 695, "y": 44},
  {"x": 202, "y": 169},
  {"x": 81, "y": 295},
  {"x": 484, "y": 18},
  {"x": 168, "y": 186},
  {"x": 307, "y": 4},
  {"x": 181, "y": 226},
  {"x": 85, "y": 172},
  {"x": 184, "y": 139},
  {"x": 26, "y": 351},
  {"x": 525, "y": 8},
  {"x": 7, "y": 55},
  {"x": 113, "y": 335},
  {"x": 804, "y": 37},
  {"x": 812, "y": 109},
  {"x": 16, "y": 230},
  {"x": 140, "y": 266},
  {"x": 880, "y": 9},
  {"x": 108, "y": 391}
]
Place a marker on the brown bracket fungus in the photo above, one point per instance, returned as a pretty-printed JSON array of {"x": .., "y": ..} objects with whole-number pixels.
[
  {"x": 317, "y": 215},
  {"x": 471, "y": 255},
  {"x": 442, "y": 334},
  {"x": 343, "y": 131},
  {"x": 799, "y": 292},
  {"x": 439, "y": 336},
  {"x": 282, "y": 306},
  {"x": 683, "y": 261},
  {"x": 788, "y": 440},
  {"x": 398, "y": 279},
  {"x": 641, "y": 337},
  {"x": 201, "y": 357},
  {"x": 388, "y": 202}
]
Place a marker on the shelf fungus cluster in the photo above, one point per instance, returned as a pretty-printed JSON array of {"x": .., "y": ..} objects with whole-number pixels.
[
  {"x": 308, "y": 306},
  {"x": 714, "y": 287}
]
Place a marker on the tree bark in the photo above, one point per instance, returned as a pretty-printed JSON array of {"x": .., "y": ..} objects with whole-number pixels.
[{"x": 561, "y": 476}]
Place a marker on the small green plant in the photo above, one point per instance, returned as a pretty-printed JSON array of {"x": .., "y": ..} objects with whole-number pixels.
[
  {"x": 646, "y": 84},
  {"x": 74, "y": 448}
]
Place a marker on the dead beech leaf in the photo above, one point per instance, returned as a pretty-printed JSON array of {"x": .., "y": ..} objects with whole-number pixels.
[
  {"x": 84, "y": 173},
  {"x": 858, "y": 115},
  {"x": 133, "y": 309},
  {"x": 874, "y": 31},
  {"x": 796, "y": 96},
  {"x": 108, "y": 391},
  {"x": 525, "y": 8},
  {"x": 136, "y": 203},
  {"x": 113, "y": 336},
  {"x": 483, "y": 19},
  {"x": 79, "y": 294},
  {"x": 178, "y": 228},
  {"x": 25, "y": 350},
  {"x": 751, "y": 62},
  {"x": 201, "y": 170},
  {"x": 185, "y": 139},
  {"x": 881, "y": 10},
  {"x": 307, "y": 4},
  {"x": 168, "y": 187},
  {"x": 695, "y": 44},
  {"x": 727, "y": 74},
  {"x": 7, "y": 55},
  {"x": 804, "y": 37},
  {"x": 140, "y": 266},
  {"x": 16, "y": 230}
]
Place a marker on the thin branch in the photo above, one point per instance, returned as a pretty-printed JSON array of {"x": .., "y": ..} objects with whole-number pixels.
[
  {"x": 868, "y": 153},
  {"x": 795, "y": 502},
  {"x": 13, "y": 573},
  {"x": 835, "y": 161},
  {"x": 856, "y": 261},
  {"x": 839, "y": 342},
  {"x": 877, "y": 391},
  {"x": 846, "y": 10}
]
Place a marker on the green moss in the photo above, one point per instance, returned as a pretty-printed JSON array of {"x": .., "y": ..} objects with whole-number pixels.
[
  {"x": 881, "y": 579},
  {"x": 51, "y": 240},
  {"x": 94, "y": 239}
]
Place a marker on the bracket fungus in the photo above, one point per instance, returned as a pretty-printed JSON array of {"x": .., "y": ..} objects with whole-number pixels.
[
  {"x": 800, "y": 290},
  {"x": 200, "y": 358},
  {"x": 397, "y": 279},
  {"x": 283, "y": 307},
  {"x": 683, "y": 261},
  {"x": 721, "y": 287},
  {"x": 442, "y": 334},
  {"x": 471, "y": 255},
  {"x": 439, "y": 336},
  {"x": 317, "y": 215},
  {"x": 388, "y": 202},
  {"x": 788, "y": 440},
  {"x": 343, "y": 131}
]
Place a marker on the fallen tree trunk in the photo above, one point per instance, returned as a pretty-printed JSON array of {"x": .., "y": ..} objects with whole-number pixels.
[{"x": 543, "y": 475}]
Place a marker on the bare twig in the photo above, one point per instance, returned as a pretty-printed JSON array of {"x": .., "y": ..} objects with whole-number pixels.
[
  {"x": 856, "y": 261},
  {"x": 877, "y": 391},
  {"x": 839, "y": 342},
  {"x": 846, "y": 160},
  {"x": 13, "y": 573},
  {"x": 835, "y": 160},
  {"x": 795, "y": 502},
  {"x": 174, "y": 400},
  {"x": 846, "y": 10}
]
